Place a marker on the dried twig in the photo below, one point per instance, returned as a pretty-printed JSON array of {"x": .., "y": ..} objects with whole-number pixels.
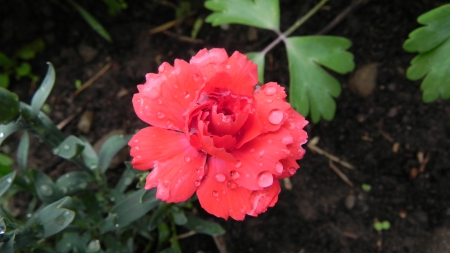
[
  {"x": 66, "y": 121},
  {"x": 187, "y": 234},
  {"x": 183, "y": 38},
  {"x": 93, "y": 79},
  {"x": 385, "y": 135},
  {"x": 220, "y": 243},
  {"x": 340, "y": 174},
  {"x": 287, "y": 183},
  {"x": 312, "y": 145},
  {"x": 423, "y": 161}
]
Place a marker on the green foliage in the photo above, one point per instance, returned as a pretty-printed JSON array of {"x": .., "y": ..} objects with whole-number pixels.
[
  {"x": 69, "y": 211},
  {"x": 432, "y": 42},
  {"x": 312, "y": 89},
  {"x": 115, "y": 6},
  {"x": 263, "y": 14},
  {"x": 381, "y": 225},
  {"x": 10, "y": 102}
]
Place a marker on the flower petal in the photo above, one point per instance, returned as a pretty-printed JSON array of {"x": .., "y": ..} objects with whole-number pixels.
[
  {"x": 258, "y": 160},
  {"x": 262, "y": 199},
  {"x": 243, "y": 74},
  {"x": 166, "y": 96},
  {"x": 218, "y": 194}
]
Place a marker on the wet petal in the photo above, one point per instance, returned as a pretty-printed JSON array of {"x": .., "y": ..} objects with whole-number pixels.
[
  {"x": 166, "y": 96},
  {"x": 262, "y": 199},
  {"x": 219, "y": 195}
]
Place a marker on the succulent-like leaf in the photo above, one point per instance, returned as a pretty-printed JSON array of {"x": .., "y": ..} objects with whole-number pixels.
[
  {"x": 6, "y": 181},
  {"x": 432, "y": 42},
  {"x": 9, "y": 106},
  {"x": 44, "y": 90},
  {"x": 258, "y": 59},
  {"x": 22, "y": 152},
  {"x": 7, "y": 130},
  {"x": 312, "y": 89},
  {"x": 263, "y": 14},
  {"x": 110, "y": 148},
  {"x": 69, "y": 148},
  {"x": 55, "y": 217},
  {"x": 204, "y": 227}
]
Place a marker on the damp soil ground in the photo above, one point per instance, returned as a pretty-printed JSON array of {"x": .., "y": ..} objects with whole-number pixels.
[{"x": 321, "y": 213}]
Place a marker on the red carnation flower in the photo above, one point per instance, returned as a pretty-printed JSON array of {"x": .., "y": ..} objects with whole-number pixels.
[{"x": 212, "y": 133}]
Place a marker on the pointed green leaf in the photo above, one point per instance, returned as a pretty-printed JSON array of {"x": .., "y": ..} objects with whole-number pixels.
[
  {"x": 44, "y": 90},
  {"x": 6, "y": 181},
  {"x": 91, "y": 21},
  {"x": 55, "y": 217},
  {"x": 263, "y": 14},
  {"x": 178, "y": 215},
  {"x": 7, "y": 130},
  {"x": 202, "y": 226},
  {"x": 432, "y": 41},
  {"x": 9, "y": 106},
  {"x": 4, "y": 80},
  {"x": 69, "y": 148},
  {"x": 110, "y": 148},
  {"x": 312, "y": 88},
  {"x": 8, "y": 246},
  {"x": 89, "y": 155},
  {"x": 258, "y": 59},
  {"x": 46, "y": 190},
  {"x": 127, "y": 178},
  {"x": 22, "y": 152},
  {"x": 73, "y": 182}
]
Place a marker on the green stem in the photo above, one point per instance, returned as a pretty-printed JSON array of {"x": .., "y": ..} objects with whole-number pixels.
[{"x": 283, "y": 36}]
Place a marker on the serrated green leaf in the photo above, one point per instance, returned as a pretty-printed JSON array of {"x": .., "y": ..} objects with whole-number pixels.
[
  {"x": 55, "y": 217},
  {"x": 69, "y": 148},
  {"x": 258, "y": 59},
  {"x": 434, "y": 33},
  {"x": 4, "y": 80},
  {"x": 44, "y": 90},
  {"x": 204, "y": 227},
  {"x": 6, "y": 181},
  {"x": 22, "y": 152},
  {"x": 312, "y": 89},
  {"x": 7, "y": 130},
  {"x": 433, "y": 62},
  {"x": 263, "y": 14},
  {"x": 9, "y": 106},
  {"x": 110, "y": 148},
  {"x": 73, "y": 182},
  {"x": 91, "y": 21},
  {"x": 46, "y": 190}
]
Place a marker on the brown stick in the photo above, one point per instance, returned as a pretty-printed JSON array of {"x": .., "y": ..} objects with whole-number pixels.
[
  {"x": 340, "y": 174},
  {"x": 93, "y": 79}
]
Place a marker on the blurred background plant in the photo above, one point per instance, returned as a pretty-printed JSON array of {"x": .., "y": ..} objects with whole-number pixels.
[{"x": 80, "y": 211}]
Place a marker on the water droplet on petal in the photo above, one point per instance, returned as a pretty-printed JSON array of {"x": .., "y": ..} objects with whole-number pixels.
[
  {"x": 261, "y": 164},
  {"x": 270, "y": 91},
  {"x": 137, "y": 147},
  {"x": 159, "y": 101},
  {"x": 196, "y": 77},
  {"x": 261, "y": 153},
  {"x": 197, "y": 183},
  {"x": 228, "y": 66},
  {"x": 160, "y": 115},
  {"x": 136, "y": 140},
  {"x": 269, "y": 100},
  {"x": 276, "y": 116},
  {"x": 287, "y": 140},
  {"x": 219, "y": 177},
  {"x": 279, "y": 168},
  {"x": 292, "y": 170},
  {"x": 215, "y": 194},
  {"x": 231, "y": 184},
  {"x": 287, "y": 152},
  {"x": 234, "y": 174},
  {"x": 238, "y": 164},
  {"x": 252, "y": 150},
  {"x": 169, "y": 124},
  {"x": 269, "y": 141},
  {"x": 265, "y": 179},
  {"x": 187, "y": 159}
]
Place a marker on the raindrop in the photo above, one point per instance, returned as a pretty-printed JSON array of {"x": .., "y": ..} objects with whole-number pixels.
[
  {"x": 138, "y": 157},
  {"x": 46, "y": 190},
  {"x": 121, "y": 136},
  {"x": 270, "y": 91},
  {"x": 2, "y": 226},
  {"x": 269, "y": 100},
  {"x": 275, "y": 116},
  {"x": 112, "y": 199},
  {"x": 231, "y": 184},
  {"x": 215, "y": 194},
  {"x": 93, "y": 166},
  {"x": 1, "y": 135},
  {"x": 287, "y": 140},
  {"x": 196, "y": 77},
  {"x": 169, "y": 124},
  {"x": 228, "y": 66},
  {"x": 234, "y": 174},
  {"x": 60, "y": 219},
  {"x": 29, "y": 215},
  {"x": 261, "y": 153},
  {"x": 252, "y": 150},
  {"x": 279, "y": 168},
  {"x": 187, "y": 159},
  {"x": 159, "y": 101},
  {"x": 238, "y": 164},
  {"x": 117, "y": 225},
  {"x": 137, "y": 147},
  {"x": 197, "y": 170},
  {"x": 269, "y": 141},
  {"x": 127, "y": 181},
  {"x": 197, "y": 183},
  {"x": 160, "y": 115},
  {"x": 94, "y": 246},
  {"x": 9, "y": 180},
  {"x": 261, "y": 164},
  {"x": 66, "y": 147},
  {"x": 220, "y": 177},
  {"x": 186, "y": 95},
  {"x": 292, "y": 170},
  {"x": 287, "y": 152},
  {"x": 265, "y": 179}
]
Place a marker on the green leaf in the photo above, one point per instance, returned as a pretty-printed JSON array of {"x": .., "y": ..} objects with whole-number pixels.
[
  {"x": 91, "y": 21},
  {"x": 258, "y": 59},
  {"x": 110, "y": 148},
  {"x": 46, "y": 190},
  {"x": 6, "y": 182},
  {"x": 157, "y": 216},
  {"x": 130, "y": 209},
  {"x": 22, "y": 152},
  {"x": 7, "y": 130},
  {"x": 55, "y": 217},
  {"x": 4, "y": 80},
  {"x": 69, "y": 148},
  {"x": 178, "y": 215},
  {"x": 312, "y": 88},
  {"x": 202, "y": 226},
  {"x": 127, "y": 178},
  {"x": 432, "y": 42},
  {"x": 163, "y": 234},
  {"x": 89, "y": 155},
  {"x": 29, "y": 51},
  {"x": 73, "y": 182},
  {"x": 44, "y": 90},
  {"x": 24, "y": 69},
  {"x": 7, "y": 247},
  {"x": 9, "y": 106},
  {"x": 5, "y": 61},
  {"x": 263, "y": 14},
  {"x": 6, "y": 160}
]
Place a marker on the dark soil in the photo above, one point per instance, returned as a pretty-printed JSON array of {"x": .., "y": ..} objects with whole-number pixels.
[{"x": 317, "y": 215}]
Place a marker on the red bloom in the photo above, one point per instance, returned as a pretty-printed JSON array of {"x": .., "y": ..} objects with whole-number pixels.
[{"x": 212, "y": 133}]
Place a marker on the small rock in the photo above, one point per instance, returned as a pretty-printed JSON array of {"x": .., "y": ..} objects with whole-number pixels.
[
  {"x": 87, "y": 52},
  {"x": 350, "y": 201},
  {"x": 363, "y": 81},
  {"x": 392, "y": 112},
  {"x": 85, "y": 122}
]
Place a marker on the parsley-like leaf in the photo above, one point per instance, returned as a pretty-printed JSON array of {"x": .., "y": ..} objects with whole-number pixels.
[
  {"x": 432, "y": 42},
  {"x": 311, "y": 88},
  {"x": 263, "y": 14}
]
